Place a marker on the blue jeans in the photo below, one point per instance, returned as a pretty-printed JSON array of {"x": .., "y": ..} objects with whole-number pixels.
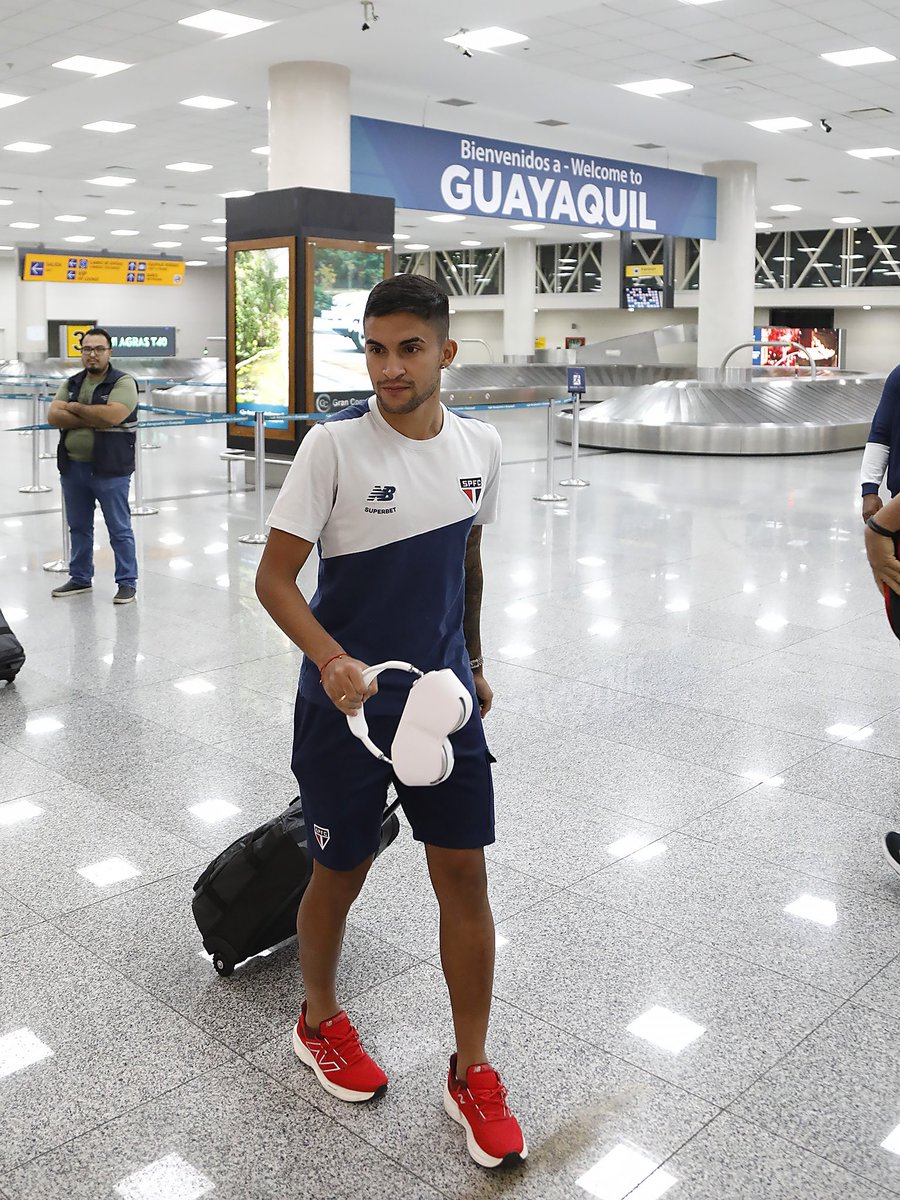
[{"x": 83, "y": 490}]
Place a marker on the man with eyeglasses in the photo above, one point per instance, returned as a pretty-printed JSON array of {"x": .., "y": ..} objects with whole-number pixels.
[{"x": 95, "y": 413}]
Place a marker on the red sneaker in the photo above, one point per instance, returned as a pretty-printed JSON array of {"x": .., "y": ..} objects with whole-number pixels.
[
  {"x": 493, "y": 1136},
  {"x": 335, "y": 1054}
]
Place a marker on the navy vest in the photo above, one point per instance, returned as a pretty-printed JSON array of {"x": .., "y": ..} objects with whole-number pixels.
[{"x": 113, "y": 452}]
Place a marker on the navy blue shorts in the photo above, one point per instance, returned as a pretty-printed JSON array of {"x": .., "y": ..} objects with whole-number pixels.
[{"x": 344, "y": 788}]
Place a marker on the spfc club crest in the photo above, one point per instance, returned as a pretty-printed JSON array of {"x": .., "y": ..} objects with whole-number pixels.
[
  {"x": 323, "y": 836},
  {"x": 472, "y": 489}
]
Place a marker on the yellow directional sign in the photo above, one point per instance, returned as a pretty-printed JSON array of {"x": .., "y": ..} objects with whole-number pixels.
[
  {"x": 76, "y": 268},
  {"x": 645, "y": 271}
]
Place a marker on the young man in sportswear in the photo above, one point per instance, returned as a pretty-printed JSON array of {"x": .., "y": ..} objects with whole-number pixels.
[{"x": 394, "y": 490}]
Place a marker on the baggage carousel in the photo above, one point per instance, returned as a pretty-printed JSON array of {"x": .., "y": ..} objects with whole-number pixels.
[
  {"x": 661, "y": 408},
  {"x": 763, "y": 416}
]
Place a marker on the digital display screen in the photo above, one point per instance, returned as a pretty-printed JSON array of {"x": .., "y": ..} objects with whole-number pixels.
[
  {"x": 823, "y": 345},
  {"x": 643, "y": 296},
  {"x": 261, "y": 331},
  {"x": 339, "y": 277}
]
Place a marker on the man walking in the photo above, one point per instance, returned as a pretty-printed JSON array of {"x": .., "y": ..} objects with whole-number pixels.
[
  {"x": 395, "y": 490},
  {"x": 95, "y": 413}
]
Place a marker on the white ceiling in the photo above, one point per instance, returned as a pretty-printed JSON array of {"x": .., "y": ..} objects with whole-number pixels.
[{"x": 402, "y": 68}]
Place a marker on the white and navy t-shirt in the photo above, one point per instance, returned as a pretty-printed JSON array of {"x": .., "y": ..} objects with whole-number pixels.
[{"x": 391, "y": 516}]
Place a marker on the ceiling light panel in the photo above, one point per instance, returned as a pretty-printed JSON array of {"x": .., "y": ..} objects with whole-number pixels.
[
  {"x": 111, "y": 181},
  {"x": 875, "y": 152},
  {"x": 210, "y": 102},
  {"x": 28, "y": 147},
  {"x": 493, "y": 37},
  {"x": 780, "y": 124},
  {"x": 656, "y": 87},
  {"x": 189, "y": 167},
  {"x": 228, "y": 24},
  {"x": 91, "y": 66},
  {"x": 862, "y": 57},
  {"x": 7, "y": 98},
  {"x": 108, "y": 126}
]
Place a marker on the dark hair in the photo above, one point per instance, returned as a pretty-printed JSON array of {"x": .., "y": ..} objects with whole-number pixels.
[
  {"x": 97, "y": 332},
  {"x": 416, "y": 294}
]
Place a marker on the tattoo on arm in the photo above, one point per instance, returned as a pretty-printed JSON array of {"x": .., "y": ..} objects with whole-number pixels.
[{"x": 474, "y": 589}]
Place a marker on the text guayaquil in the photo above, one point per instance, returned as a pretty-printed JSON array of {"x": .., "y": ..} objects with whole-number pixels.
[{"x": 544, "y": 194}]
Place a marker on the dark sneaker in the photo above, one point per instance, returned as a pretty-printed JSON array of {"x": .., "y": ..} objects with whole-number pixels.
[
  {"x": 71, "y": 588},
  {"x": 125, "y": 595},
  {"x": 892, "y": 850},
  {"x": 336, "y": 1055},
  {"x": 493, "y": 1135}
]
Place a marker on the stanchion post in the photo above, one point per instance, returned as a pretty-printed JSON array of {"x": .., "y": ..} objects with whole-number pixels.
[
  {"x": 576, "y": 382},
  {"x": 549, "y": 495},
  {"x": 259, "y": 447},
  {"x": 139, "y": 508},
  {"x": 48, "y": 451},
  {"x": 62, "y": 564},
  {"x": 35, "y": 485}
]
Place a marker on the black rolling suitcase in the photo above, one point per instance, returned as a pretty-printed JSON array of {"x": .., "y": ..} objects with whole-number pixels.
[
  {"x": 247, "y": 898},
  {"x": 11, "y": 653}
]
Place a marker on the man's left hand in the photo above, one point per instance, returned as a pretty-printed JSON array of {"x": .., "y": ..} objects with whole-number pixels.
[{"x": 485, "y": 694}]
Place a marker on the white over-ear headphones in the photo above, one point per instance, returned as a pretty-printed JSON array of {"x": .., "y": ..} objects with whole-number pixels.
[{"x": 438, "y": 704}]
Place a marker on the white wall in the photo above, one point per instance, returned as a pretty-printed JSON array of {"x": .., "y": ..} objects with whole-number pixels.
[
  {"x": 196, "y": 309},
  {"x": 7, "y": 307}
]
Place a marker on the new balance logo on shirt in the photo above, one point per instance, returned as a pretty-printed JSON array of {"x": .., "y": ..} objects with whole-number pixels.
[{"x": 381, "y": 493}]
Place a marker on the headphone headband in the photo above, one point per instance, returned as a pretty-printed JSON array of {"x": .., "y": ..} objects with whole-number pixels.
[{"x": 358, "y": 724}]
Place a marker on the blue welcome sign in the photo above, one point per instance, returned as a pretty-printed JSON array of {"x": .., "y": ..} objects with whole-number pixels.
[{"x": 440, "y": 171}]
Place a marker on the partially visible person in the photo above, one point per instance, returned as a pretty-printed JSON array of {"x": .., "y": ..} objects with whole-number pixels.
[
  {"x": 882, "y": 452},
  {"x": 95, "y": 413},
  {"x": 882, "y": 540}
]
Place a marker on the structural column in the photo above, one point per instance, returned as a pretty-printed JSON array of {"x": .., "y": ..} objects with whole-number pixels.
[
  {"x": 309, "y": 126},
  {"x": 728, "y": 269},
  {"x": 31, "y": 320},
  {"x": 519, "y": 276}
]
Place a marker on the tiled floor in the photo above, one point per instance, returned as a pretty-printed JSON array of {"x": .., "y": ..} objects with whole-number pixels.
[{"x": 697, "y": 728}]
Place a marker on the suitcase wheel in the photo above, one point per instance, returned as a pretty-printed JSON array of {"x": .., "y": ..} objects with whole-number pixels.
[{"x": 224, "y": 966}]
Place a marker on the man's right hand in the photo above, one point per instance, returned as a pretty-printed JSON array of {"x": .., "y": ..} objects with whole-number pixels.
[
  {"x": 871, "y": 505},
  {"x": 883, "y": 561},
  {"x": 342, "y": 681}
]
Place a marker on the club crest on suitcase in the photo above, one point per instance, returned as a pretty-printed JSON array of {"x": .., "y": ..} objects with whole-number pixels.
[{"x": 323, "y": 836}]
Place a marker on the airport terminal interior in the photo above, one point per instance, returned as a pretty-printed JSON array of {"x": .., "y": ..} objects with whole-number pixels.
[{"x": 696, "y": 717}]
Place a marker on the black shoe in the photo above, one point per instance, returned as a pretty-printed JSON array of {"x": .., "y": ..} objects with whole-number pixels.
[
  {"x": 71, "y": 589},
  {"x": 125, "y": 595},
  {"x": 892, "y": 850}
]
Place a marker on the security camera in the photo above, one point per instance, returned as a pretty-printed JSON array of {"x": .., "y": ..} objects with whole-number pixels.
[
  {"x": 366, "y": 26},
  {"x": 370, "y": 16},
  {"x": 824, "y": 126},
  {"x": 466, "y": 53}
]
